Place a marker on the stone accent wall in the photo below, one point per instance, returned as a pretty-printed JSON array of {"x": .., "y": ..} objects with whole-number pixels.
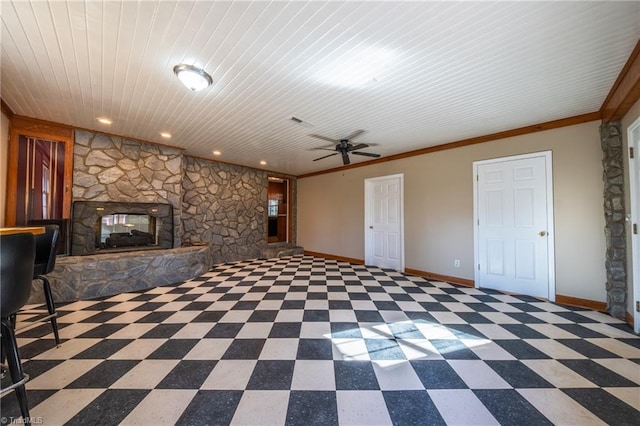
[
  {"x": 614, "y": 213},
  {"x": 110, "y": 168},
  {"x": 225, "y": 205},
  {"x": 88, "y": 277}
]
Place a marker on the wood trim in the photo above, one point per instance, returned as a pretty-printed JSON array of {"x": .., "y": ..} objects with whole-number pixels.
[
  {"x": 629, "y": 318},
  {"x": 5, "y": 109},
  {"x": 446, "y": 278},
  {"x": 582, "y": 303},
  {"x": 73, "y": 128},
  {"x": 24, "y": 126},
  {"x": 549, "y": 125},
  {"x": 334, "y": 257},
  {"x": 625, "y": 91}
]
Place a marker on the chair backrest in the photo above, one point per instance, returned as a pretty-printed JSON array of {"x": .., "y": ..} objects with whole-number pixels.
[
  {"x": 46, "y": 248},
  {"x": 17, "y": 254}
]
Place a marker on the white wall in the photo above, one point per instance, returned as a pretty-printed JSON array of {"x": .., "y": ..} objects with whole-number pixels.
[
  {"x": 439, "y": 207},
  {"x": 4, "y": 153}
]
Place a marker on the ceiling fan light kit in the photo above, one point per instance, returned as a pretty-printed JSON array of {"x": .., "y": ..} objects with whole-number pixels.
[{"x": 345, "y": 147}]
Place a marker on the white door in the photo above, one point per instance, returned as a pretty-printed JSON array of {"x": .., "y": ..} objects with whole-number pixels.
[
  {"x": 384, "y": 230},
  {"x": 634, "y": 191},
  {"x": 514, "y": 224}
]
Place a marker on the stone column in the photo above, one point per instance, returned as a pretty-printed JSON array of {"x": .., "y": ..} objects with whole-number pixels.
[{"x": 614, "y": 214}]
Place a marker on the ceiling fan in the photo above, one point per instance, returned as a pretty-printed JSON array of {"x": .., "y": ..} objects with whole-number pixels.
[{"x": 345, "y": 147}]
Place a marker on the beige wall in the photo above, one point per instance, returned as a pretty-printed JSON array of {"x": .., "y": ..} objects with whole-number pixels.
[
  {"x": 626, "y": 121},
  {"x": 4, "y": 151},
  {"x": 439, "y": 207}
]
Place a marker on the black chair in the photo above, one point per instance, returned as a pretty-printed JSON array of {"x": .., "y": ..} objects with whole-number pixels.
[
  {"x": 46, "y": 248},
  {"x": 17, "y": 255}
]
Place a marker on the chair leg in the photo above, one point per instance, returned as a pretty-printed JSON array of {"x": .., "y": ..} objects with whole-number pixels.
[
  {"x": 48, "y": 297},
  {"x": 15, "y": 367}
]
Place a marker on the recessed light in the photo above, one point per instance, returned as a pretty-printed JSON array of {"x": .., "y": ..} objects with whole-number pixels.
[
  {"x": 216, "y": 153},
  {"x": 165, "y": 135},
  {"x": 104, "y": 120},
  {"x": 264, "y": 163}
]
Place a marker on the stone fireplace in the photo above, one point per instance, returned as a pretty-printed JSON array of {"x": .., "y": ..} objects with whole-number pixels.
[{"x": 108, "y": 227}]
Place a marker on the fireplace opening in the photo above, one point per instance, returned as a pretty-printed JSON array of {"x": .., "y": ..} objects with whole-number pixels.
[
  {"x": 108, "y": 227},
  {"x": 128, "y": 230}
]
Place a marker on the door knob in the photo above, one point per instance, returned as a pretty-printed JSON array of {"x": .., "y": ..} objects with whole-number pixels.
[
  {"x": 542, "y": 233},
  {"x": 370, "y": 227}
]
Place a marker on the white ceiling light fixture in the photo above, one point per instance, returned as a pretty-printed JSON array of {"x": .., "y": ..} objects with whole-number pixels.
[{"x": 193, "y": 77}]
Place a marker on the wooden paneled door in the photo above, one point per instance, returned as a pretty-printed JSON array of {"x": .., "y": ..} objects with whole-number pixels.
[{"x": 40, "y": 167}]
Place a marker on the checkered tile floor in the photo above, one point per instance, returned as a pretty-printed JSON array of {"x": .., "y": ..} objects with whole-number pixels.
[{"x": 303, "y": 340}]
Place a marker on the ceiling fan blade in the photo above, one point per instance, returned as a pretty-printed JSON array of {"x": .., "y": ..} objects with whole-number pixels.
[
  {"x": 345, "y": 158},
  {"x": 359, "y": 146},
  {"x": 366, "y": 154},
  {"x": 325, "y": 138},
  {"x": 330, "y": 155},
  {"x": 355, "y": 134},
  {"x": 323, "y": 149}
]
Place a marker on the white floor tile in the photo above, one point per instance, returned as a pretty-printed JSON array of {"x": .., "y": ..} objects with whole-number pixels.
[
  {"x": 73, "y": 400},
  {"x": 262, "y": 408},
  {"x": 396, "y": 375},
  {"x": 230, "y": 375},
  {"x": 478, "y": 375},
  {"x": 160, "y": 407},
  {"x": 313, "y": 375},
  {"x": 557, "y": 374},
  {"x": 450, "y": 401},
  {"x": 362, "y": 408},
  {"x": 146, "y": 374},
  {"x": 62, "y": 374},
  {"x": 559, "y": 408}
]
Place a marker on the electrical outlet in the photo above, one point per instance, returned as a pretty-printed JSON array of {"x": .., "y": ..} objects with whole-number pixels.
[{"x": 456, "y": 263}]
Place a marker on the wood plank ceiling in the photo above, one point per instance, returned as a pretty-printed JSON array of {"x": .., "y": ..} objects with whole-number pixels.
[{"x": 412, "y": 75}]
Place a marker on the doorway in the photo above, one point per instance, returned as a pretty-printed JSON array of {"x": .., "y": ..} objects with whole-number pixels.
[
  {"x": 634, "y": 191},
  {"x": 278, "y": 209},
  {"x": 513, "y": 213},
  {"x": 384, "y": 222}
]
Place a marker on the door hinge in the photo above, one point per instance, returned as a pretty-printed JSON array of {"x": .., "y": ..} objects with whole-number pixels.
[
  {"x": 631, "y": 152},
  {"x": 478, "y": 266},
  {"x": 477, "y": 178},
  {"x": 635, "y": 228},
  {"x": 638, "y": 305}
]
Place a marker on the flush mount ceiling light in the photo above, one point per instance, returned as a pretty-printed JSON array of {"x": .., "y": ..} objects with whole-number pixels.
[{"x": 193, "y": 77}]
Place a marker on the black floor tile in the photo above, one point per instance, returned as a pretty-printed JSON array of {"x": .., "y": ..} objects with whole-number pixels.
[
  {"x": 596, "y": 373},
  {"x": 384, "y": 349},
  {"x": 285, "y": 330},
  {"x": 344, "y": 330},
  {"x": 518, "y": 375},
  {"x": 110, "y": 407},
  {"x": 307, "y": 408},
  {"x": 174, "y": 349},
  {"x": 103, "y": 349},
  {"x": 225, "y": 330},
  {"x": 244, "y": 349},
  {"x": 104, "y": 374},
  {"x": 211, "y": 408},
  {"x": 604, "y": 405},
  {"x": 521, "y": 349},
  {"x": 187, "y": 375},
  {"x": 510, "y": 408},
  {"x": 453, "y": 349},
  {"x": 315, "y": 349},
  {"x": 272, "y": 375},
  {"x": 355, "y": 375},
  {"x": 437, "y": 374},
  {"x": 587, "y": 349},
  {"x": 412, "y": 408}
]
